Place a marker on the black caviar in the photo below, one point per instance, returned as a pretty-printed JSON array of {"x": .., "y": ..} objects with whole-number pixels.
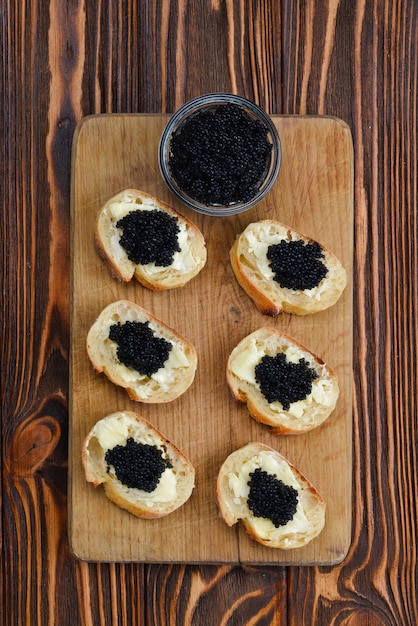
[
  {"x": 284, "y": 381},
  {"x": 271, "y": 498},
  {"x": 149, "y": 236},
  {"x": 220, "y": 156},
  {"x": 137, "y": 465},
  {"x": 138, "y": 347},
  {"x": 296, "y": 264}
]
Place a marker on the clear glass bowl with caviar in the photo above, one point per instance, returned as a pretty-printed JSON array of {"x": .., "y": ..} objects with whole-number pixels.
[{"x": 220, "y": 154}]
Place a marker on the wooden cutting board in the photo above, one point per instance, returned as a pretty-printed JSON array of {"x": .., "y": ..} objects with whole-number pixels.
[{"x": 314, "y": 194}]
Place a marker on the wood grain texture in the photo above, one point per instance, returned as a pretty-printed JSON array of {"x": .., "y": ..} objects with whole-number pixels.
[
  {"x": 313, "y": 194},
  {"x": 63, "y": 60}
]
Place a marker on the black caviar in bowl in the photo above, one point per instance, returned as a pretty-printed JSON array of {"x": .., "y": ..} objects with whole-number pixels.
[{"x": 220, "y": 154}]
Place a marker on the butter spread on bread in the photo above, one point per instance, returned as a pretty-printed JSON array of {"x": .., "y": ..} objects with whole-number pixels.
[
  {"x": 148, "y": 373},
  {"x": 132, "y": 211},
  {"x": 140, "y": 470},
  {"x": 283, "y": 384},
  {"x": 282, "y": 270},
  {"x": 278, "y": 506}
]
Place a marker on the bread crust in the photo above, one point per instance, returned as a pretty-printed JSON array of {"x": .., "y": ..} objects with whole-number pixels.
[
  {"x": 102, "y": 353},
  {"x": 231, "y": 510},
  {"x": 106, "y": 239},
  {"x": 253, "y": 275},
  {"x": 299, "y": 418},
  {"x": 134, "y": 500}
]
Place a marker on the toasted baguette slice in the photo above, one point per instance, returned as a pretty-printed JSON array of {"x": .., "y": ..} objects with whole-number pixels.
[
  {"x": 254, "y": 273},
  {"x": 174, "y": 484},
  {"x": 171, "y": 380},
  {"x": 185, "y": 264},
  {"x": 295, "y": 527},
  {"x": 290, "y": 415}
]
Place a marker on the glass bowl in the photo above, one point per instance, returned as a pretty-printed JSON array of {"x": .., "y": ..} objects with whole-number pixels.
[{"x": 216, "y": 160}]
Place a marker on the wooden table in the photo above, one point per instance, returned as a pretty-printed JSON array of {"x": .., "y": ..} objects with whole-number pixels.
[{"x": 62, "y": 61}]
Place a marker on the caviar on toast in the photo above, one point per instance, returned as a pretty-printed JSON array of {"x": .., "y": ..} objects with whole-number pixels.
[
  {"x": 276, "y": 503},
  {"x": 141, "y": 236},
  {"x": 283, "y": 384},
  {"x": 140, "y": 470},
  {"x": 281, "y": 269},
  {"x": 140, "y": 353}
]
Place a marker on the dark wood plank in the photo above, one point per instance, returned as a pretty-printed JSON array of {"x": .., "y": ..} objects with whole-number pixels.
[
  {"x": 216, "y": 595},
  {"x": 61, "y": 61},
  {"x": 362, "y": 66}
]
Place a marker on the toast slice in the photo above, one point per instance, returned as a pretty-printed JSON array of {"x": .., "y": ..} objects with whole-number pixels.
[
  {"x": 140, "y": 470},
  {"x": 276, "y": 503},
  {"x": 142, "y": 237},
  {"x": 283, "y": 384},
  {"x": 140, "y": 353},
  {"x": 281, "y": 269}
]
